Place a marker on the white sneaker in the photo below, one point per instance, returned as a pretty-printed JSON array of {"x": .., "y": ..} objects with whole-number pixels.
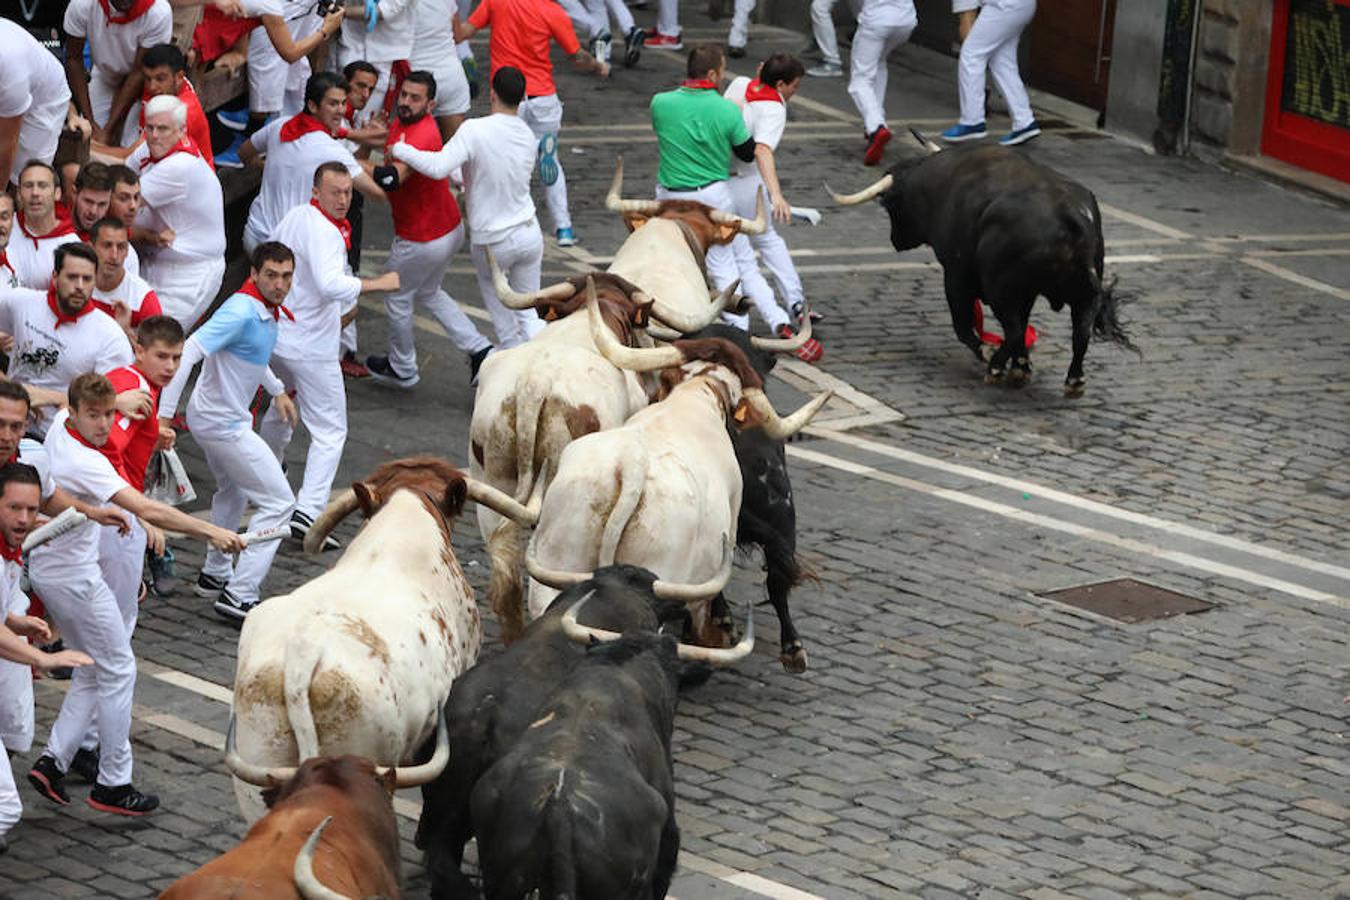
[{"x": 826, "y": 70}]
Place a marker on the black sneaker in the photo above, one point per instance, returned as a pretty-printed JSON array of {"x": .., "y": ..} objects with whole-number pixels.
[
  {"x": 632, "y": 46},
  {"x": 300, "y": 526},
  {"x": 60, "y": 673},
  {"x": 48, "y": 780},
  {"x": 209, "y": 585},
  {"x": 381, "y": 371},
  {"x": 84, "y": 765},
  {"x": 124, "y": 800},
  {"x": 735, "y": 52},
  {"x": 230, "y": 607},
  {"x": 797, "y": 309},
  {"x": 476, "y": 363}
]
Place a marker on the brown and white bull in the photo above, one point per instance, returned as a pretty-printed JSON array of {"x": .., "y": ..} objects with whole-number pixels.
[
  {"x": 663, "y": 490},
  {"x": 360, "y": 660}
]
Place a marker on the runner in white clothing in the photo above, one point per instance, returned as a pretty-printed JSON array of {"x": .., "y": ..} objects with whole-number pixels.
[
  {"x": 126, "y": 297},
  {"x": 66, "y": 574},
  {"x": 41, "y": 225},
  {"x": 382, "y": 35},
  {"x": 292, "y": 149},
  {"x": 991, "y": 44},
  {"x": 434, "y": 51},
  {"x": 497, "y": 155},
  {"x": 182, "y": 213},
  {"x": 20, "y": 496},
  {"x": 93, "y": 197},
  {"x": 278, "y": 55},
  {"x": 883, "y": 25},
  {"x": 34, "y": 101},
  {"x": 306, "y": 354},
  {"x": 119, "y": 32}
]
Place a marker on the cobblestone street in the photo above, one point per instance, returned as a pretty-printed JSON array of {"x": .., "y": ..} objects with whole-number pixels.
[{"x": 956, "y": 733}]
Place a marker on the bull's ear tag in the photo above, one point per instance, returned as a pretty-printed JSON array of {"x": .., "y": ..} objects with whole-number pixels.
[
  {"x": 742, "y": 413},
  {"x": 640, "y": 317},
  {"x": 550, "y": 314}
]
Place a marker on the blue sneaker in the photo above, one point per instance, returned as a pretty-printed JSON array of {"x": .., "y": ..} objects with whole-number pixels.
[
  {"x": 229, "y": 157},
  {"x": 233, "y": 119},
  {"x": 548, "y": 159},
  {"x": 1021, "y": 135},
  {"x": 959, "y": 132},
  {"x": 566, "y": 237}
]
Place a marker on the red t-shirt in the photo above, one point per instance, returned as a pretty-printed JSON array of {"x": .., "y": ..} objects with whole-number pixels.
[
  {"x": 131, "y": 442},
  {"x": 198, "y": 128},
  {"x": 423, "y": 209},
  {"x": 521, "y": 30}
]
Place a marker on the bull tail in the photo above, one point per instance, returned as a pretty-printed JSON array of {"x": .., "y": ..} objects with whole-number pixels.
[
  {"x": 558, "y": 817},
  {"x": 1106, "y": 305},
  {"x": 506, "y": 548},
  {"x": 302, "y": 660},
  {"x": 632, "y": 480}
]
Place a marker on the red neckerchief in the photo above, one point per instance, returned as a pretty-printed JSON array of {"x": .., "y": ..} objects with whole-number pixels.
[
  {"x": 74, "y": 432},
  {"x": 698, "y": 84},
  {"x": 349, "y": 112},
  {"x": 758, "y": 90},
  {"x": 12, "y": 554},
  {"x": 61, "y": 317},
  {"x": 62, "y": 227},
  {"x": 397, "y": 72},
  {"x": 299, "y": 125},
  {"x": 138, "y": 9},
  {"x": 342, "y": 225},
  {"x": 249, "y": 289},
  {"x": 4, "y": 259},
  {"x": 186, "y": 145}
]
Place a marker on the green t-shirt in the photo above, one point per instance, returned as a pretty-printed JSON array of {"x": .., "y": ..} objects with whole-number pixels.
[{"x": 695, "y": 129}]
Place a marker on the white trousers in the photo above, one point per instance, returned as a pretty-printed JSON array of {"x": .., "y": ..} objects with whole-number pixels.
[
  {"x": 246, "y": 471},
  {"x": 321, "y": 397},
  {"x": 740, "y": 23},
  {"x": 267, "y": 73},
  {"x": 544, "y": 116},
  {"x": 520, "y": 256},
  {"x": 121, "y": 558},
  {"x": 727, "y": 262},
  {"x": 822, "y": 29},
  {"x": 101, "y": 96},
  {"x": 605, "y": 11},
  {"x": 421, "y": 268},
  {"x": 668, "y": 18},
  {"x": 992, "y": 44},
  {"x": 185, "y": 289},
  {"x": 868, "y": 70},
  {"x": 773, "y": 252},
  {"x": 40, "y": 131},
  {"x": 11, "y": 809},
  {"x": 90, "y": 619}
]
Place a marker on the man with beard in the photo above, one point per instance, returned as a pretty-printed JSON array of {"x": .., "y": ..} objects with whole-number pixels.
[
  {"x": 119, "y": 292},
  {"x": 119, "y": 32},
  {"x": 56, "y": 338},
  {"x": 427, "y": 232},
  {"x": 42, "y": 225},
  {"x": 306, "y": 354}
]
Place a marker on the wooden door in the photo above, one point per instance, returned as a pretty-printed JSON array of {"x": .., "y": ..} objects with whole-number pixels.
[{"x": 1067, "y": 49}]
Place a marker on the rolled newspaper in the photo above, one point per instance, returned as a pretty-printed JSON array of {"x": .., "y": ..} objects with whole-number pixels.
[
  {"x": 263, "y": 535},
  {"x": 69, "y": 519}
]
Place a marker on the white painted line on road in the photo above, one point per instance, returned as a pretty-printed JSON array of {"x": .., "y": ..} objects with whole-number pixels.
[
  {"x": 746, "y": 880},
  {"x": 1093, "y": 506},
  {"x": 1281, "y": 238},
  {"x": 1311, "y": 251},
  {"x": 1129, "y": 544},
  {"x": 1144, "y": 222},
  {"x": 187, "y": 682},
  {"x": 1289, "y": 275}
]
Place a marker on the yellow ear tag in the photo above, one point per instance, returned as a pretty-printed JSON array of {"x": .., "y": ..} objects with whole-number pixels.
[
  {"x": 550, "y": 314},
  {"x": 742, "y": 412}
]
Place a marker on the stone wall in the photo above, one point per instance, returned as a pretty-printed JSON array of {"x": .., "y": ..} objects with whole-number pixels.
[{"x": 1228, "y": 97}]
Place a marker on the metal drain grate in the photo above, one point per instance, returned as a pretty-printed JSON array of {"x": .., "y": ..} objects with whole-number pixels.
[{"x": 1127, "y": 600}]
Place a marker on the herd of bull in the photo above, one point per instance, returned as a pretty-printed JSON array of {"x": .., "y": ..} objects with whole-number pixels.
[{"x": 616, "y": 460}]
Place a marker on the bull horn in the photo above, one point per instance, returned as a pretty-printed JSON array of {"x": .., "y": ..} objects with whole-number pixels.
[
  {"x": 412, "y": 776},
  {"x": 563, "y": 290},
  {"x": 688, "y": 593},
  {"x": 786, "y": 345},
  {"x": 880, "y": 187},
  {"x": 758, "y": 225},
  {"x": 503, "y": 503},
  {"x": 725, "y": 301},
  {"x": 339, "y": 508},
  {"x": 781, "y": 428},
  {"x": 630, "y": 358},
  {"x": 307, "y": 884},
  {"x": 925, "y": 142},
  {"x": 618, "y": 204},
  {"x": 685, "y": 323},
  {"x": 723, "y": 656},
  {"x": 558, "y": 579},
  {"x": 662, "y": 333},
  {"x": 247, "y": 772}
]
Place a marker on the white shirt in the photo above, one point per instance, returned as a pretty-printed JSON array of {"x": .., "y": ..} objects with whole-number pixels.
[
  {"x": 85, "y": 473},
  {"x": 112, "y": 46},
  {"x": 765, "y": 118},
  {"x": 288, "y": 173},
  {"x": 321, "y": 288},
  {"x": 132, "y": 292},
  {"x": 181, "y": 192},
  {"x": 34, "y": 259},
  {"x": 497, "y": 153},
  {"x": 392, "y": 38},
  {"x": 434, "y": 40},
  {"x": 51, "y": 356},
  {"x": 30, "y": 453},
  {"x": 29, "y": 75},
  {"x": 888, "y": 13}
]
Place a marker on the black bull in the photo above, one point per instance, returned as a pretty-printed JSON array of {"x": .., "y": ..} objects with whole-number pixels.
[{"x": 1007, "y": 230}]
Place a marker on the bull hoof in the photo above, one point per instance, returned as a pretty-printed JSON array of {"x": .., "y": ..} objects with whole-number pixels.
[
  {"x": 994, "y": 377},
  {"x": 1074, "y": 387},
  {"x": 793, "y": 660},
  {"x": 1018, "y": 377}
]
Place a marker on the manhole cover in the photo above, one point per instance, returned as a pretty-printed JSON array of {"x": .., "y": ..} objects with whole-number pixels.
[{"x": 1127, "y": 600}]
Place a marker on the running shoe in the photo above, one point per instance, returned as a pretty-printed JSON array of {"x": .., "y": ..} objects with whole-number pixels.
[
  {"x": 84, "y": 765},
  {"x": 301, "y": 523},
  {"x": 665, "y": 41},
  {"x": 566, "y": 237},
  {"x": 60, "y": 673},
  {"x": 826, "y": 70},
  {"x": 209, "y": 585},
  {"x": 48, "y": 780},
  {"x": 381, "y": 371},
  {"x": 351, "y": 366},
  {"x": 958, "y": 133},
  {"x": 811, "y": 351},
  {"x": 548, "y": 159},
  {"x": 876, "y": 145},
  {"x": 231, "y": 607},
  {"x": 476, "y": 362},
  {"x": 124, "y": 800},
  {"x": 233, "y": 119},
  {"x": 600, "y": 45},
  {"x": 736, "y": 51},
  {"x": 632, "y": 46},
  {"x": 798, "y": 309},
  {"x": 1021, "y": 135}
]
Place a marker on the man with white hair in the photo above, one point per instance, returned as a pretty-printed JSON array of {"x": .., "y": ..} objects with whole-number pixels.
[
  {"x": 34, "y": 101},
  {"x": 182, "y": 211},
  {"x": 118, "y": 32}
]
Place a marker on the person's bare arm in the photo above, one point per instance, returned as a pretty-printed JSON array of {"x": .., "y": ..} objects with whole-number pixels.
[
  {"x": 9, "y": 145},
  {"x": 128, "y": 92},
  {"x": 250, "y": 155},
  {"x": 463, "y": 30},
  {"x": 60, "y": 501},
  {"x": 768, "y": 171},
  {"x": 584, "y": 62},
  {"x": 165, "y": 516},
  {"x": 291, "y": 50},
  {"x": 77, "y": 78},
  {"x": 964, "y": 22},
  {"x": 367, "y": 186},
  {"x": 16, "y": 649}
]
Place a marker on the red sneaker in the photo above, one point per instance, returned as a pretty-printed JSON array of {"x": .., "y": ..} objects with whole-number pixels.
[
  {"x": 665, "y": 41},
  {"x": 811, "y": 351},
  {"x": 876, "y": 146},
  {"x": 352, "y": 367}
]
